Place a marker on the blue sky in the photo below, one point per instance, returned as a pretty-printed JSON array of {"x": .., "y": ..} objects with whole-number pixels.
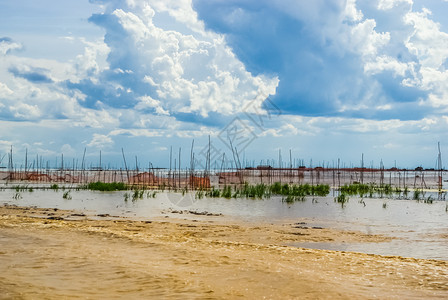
[{"x": 325, "y": 79}]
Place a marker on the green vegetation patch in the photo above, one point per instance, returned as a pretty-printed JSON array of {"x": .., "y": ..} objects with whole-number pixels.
[
  {"x": 259, "y": 191},
  {"x": 107, "y": 187}
]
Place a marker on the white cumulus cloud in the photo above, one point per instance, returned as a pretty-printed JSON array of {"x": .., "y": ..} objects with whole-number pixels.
[
  {"x": 100, "y": 141},
  {"x": 389, "y": 4},
  {"x": 189, "y": 73}
]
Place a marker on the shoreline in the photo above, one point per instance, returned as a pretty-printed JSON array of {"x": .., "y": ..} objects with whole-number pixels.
[
  {"x": 418, "y": 178},
  {"x": 204, "y": 257}
]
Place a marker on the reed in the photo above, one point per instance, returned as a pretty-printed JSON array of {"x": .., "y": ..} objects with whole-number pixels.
[
  {"x": 137, "y": 194},
  {"x": 152, "y": 194},
  {"x": 356, "y": 189},
  {"x": 405, "y": 192},
  {"x": 254, "y": 191},
  {"x": 300, "y": 191},
  {"x": 213, "y": 193},
  {"x": 276, "y": 188},
  {"x": 417, "y": 194},
  {"x": 429, "y": 200},
  {"x": 199, "y": 194},
  {"x": 371, "y": 190},
  {"x": 226, "y": 192},
  {"x": 21, "y": 188},
  {"x": 260, "y": 191},
  {"x": 126, "y": 197}
]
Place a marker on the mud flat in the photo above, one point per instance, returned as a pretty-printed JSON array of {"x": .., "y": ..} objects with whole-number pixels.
[{"x": 52, "y": 254}]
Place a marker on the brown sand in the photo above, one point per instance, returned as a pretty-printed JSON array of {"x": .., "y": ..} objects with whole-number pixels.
[{"x": 206, "y": 258}]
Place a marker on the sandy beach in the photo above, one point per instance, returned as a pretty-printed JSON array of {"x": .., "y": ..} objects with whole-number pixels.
[{"x": 53, "y": 254}]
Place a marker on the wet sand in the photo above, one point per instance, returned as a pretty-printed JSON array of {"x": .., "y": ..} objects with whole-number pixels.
[{"x": 52, "y": 254}]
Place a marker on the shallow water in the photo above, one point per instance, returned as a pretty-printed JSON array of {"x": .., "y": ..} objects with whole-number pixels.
[{"x": 421, "y": 229}]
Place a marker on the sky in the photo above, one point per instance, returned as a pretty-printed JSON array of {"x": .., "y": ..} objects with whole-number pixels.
[{"x": 255, "y": 81}]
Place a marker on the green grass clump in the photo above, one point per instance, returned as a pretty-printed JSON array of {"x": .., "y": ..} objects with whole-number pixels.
[
  {"x": 417, "y": 194},
  {"x": 126, "y": 197},
  {"x": 260, "y": 191},
  {"x": 429, "y": 200},
  {"x": 405, "y": 192},
  {"x": 152, "y": 194},
  {"x": 67, "y": 195},
  {"x": 289, "y": 199},
  {"x": 226, "y": 192},
  {"x": 254, "y": 191},
  {"x": 341, "y": 198},
  {"x": 276, "y": 188},
  {"x": 199, "y": 194},
  {"x": 137, "y": 194},
  {"x": 20, "y": 188},
  {"x": 300, "y": 191},
  {"x": 213, "y": 193},
  {"x": 356, "y": 189},
  {"x": 107, "y": 187},
  {"x": 371, "y": 190},
  {"x": 321, "y": 190}
]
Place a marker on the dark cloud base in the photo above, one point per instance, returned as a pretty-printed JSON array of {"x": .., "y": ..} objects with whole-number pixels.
[{"x": 315, "y": 79}]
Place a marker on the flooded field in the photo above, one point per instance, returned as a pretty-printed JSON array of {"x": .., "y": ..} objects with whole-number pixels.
[{"x": 419, "y": 229}]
